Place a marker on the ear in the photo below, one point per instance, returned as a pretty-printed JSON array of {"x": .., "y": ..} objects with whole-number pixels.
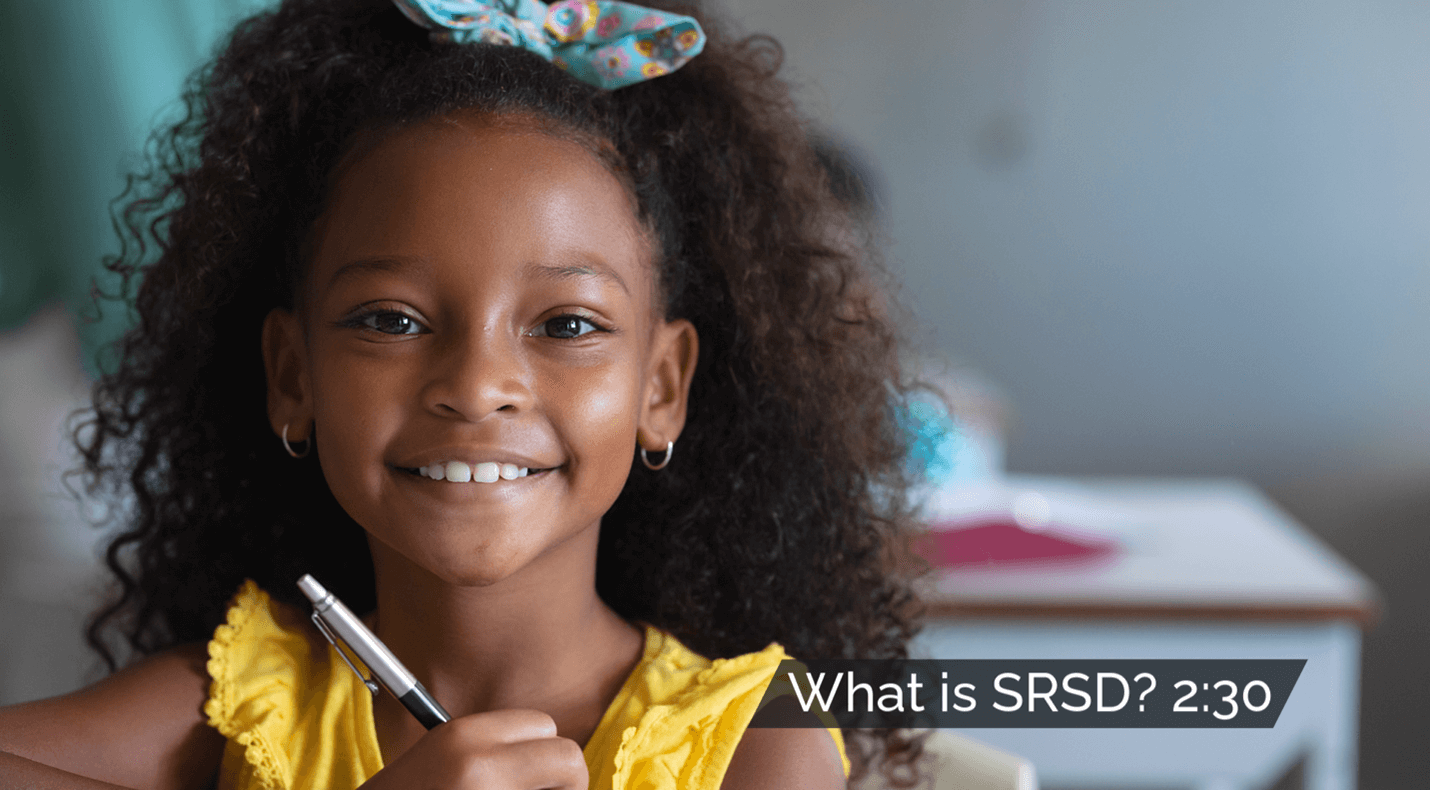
[
  {"x": 285, "y": 360},
  {"x": 673, "y": 354}
]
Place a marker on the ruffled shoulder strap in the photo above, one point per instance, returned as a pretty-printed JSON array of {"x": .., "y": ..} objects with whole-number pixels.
[
  {"x": 684, "y": 715},
  {"x": 257, "y": 660}
]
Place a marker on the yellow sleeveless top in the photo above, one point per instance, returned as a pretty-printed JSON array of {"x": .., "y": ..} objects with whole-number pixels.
[{"x": 296, "y": 716}]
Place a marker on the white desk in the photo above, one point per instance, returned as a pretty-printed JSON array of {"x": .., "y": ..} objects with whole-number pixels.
[{"x": 1208, "y": 569}]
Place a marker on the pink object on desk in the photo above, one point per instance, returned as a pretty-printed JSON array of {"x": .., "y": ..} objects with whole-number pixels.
[{"x": 999, "y": 541}]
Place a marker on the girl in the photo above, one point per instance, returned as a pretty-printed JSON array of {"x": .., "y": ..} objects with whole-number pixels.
[{"x": 572, "y": 380}]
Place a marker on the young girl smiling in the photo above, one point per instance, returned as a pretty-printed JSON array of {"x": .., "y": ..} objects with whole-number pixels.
[{"x": 575, "y": 385}]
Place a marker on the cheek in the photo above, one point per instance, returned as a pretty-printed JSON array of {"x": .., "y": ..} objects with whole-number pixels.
[
  {"x": 353, "y": 416},
  {"x": 600, "y": 414}
]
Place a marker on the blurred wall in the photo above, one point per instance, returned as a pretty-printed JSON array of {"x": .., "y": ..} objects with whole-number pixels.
[{"x": 1184, "y": 237}]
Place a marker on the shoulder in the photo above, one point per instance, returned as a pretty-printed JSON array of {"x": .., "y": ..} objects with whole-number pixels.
[
  {"x": 805, "y": 753},
  {"x": 141, "y": 727},
  {"x": 798, "y": 759}
]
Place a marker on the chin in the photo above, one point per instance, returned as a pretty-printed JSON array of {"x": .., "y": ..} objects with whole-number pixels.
[
  {"x": 462, "y": 556},
  {"x": 474, "y": 577},
  {"x": 474, "y": 567}
]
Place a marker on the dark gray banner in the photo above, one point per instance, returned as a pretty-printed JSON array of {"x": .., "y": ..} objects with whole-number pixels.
[{"x": 1242, "y": 693}]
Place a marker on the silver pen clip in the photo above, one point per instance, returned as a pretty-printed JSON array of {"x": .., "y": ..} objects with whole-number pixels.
[{"x": 332, "y": 639}]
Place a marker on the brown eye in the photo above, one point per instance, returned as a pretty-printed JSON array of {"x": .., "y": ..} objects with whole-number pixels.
[
  {"x": 565, "y": 327},
  {"x": 388, "y": 322},
  {"x": 394, "y": 323}
]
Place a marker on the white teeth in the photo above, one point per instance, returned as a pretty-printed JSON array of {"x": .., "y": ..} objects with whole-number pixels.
[
  {"x": 486, "y": 472},
  {"x": 458, "y": 472}
]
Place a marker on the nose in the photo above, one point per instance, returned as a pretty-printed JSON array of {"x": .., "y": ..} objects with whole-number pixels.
[{"x": 478, "y": 373}]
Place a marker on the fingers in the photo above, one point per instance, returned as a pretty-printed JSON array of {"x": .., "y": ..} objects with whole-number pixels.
[
  {"x": 500, "y": 750},
  {"x": 505, "y": 726},
  {"x": 529, "y": 765}
]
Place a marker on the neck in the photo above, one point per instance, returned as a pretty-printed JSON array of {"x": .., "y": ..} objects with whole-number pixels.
[{"x": 527, "y": 641}]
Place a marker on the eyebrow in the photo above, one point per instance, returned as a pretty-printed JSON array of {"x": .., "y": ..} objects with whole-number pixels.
[
  {"x": 592, "y": 269},
  {"x": 366, "y": 266},
  {"x": 540, "y": 270}
]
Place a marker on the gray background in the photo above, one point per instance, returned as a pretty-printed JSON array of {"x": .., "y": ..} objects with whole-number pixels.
[{"x": 1184, "y": 237}]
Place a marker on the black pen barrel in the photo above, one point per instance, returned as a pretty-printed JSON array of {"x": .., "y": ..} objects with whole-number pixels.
[{"x": 427, "y": 710}]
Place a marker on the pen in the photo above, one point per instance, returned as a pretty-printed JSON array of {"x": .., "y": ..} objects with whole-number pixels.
[{"x": 342, "y": 628}]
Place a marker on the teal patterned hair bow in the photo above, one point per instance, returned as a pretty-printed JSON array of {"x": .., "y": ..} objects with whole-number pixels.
[{"x": 601, "y": 42}]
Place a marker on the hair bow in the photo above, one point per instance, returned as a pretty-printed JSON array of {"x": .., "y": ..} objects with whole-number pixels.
[{"x": 601, "y": 42}]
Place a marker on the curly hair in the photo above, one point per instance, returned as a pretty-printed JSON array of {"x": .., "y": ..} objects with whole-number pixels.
[{"x": 780, "y": 521}]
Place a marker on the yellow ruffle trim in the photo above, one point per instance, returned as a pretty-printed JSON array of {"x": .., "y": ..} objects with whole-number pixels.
[{"x": 252, "y": 712}]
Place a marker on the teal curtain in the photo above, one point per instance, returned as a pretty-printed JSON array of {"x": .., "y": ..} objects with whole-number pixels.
[{"x": 82, "y": 85}]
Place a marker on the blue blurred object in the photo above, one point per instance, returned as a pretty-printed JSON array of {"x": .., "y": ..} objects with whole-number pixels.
[{"x": 934, "y": 439}]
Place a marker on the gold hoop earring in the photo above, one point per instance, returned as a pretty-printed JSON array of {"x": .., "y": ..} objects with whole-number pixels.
[
  {"x": 307, "y": 444},
  {"x": 669, "y": 451}
]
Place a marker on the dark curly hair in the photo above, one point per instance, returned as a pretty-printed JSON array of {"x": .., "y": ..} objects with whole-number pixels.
[{"x": 780, "y": 519}]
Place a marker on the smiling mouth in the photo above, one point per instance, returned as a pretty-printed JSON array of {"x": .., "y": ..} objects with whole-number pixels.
[{"x": 462, "y": 472}]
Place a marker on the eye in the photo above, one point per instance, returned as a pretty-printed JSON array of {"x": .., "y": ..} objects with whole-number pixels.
[
  {"x": 388, "y": 322},
  {"x": 565, "y": 327}
]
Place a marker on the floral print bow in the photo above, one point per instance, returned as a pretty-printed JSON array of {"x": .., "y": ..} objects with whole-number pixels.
[{"x": 601, "y": 42}]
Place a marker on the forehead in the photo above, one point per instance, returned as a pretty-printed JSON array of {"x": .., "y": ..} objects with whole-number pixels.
[{"x": 468, "y": 189}]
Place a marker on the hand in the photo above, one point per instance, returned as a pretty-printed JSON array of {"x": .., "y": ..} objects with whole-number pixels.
[{"x": 500, "y": 750}]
